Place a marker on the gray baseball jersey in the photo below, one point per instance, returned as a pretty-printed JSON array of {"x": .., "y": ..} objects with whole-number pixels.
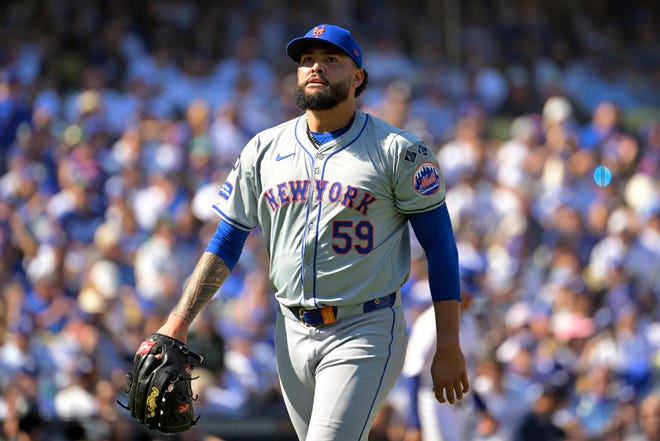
[{"x": 333, "y": 216}]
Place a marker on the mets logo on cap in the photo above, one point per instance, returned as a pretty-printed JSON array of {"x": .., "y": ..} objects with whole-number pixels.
[
  {"x": 318, "y": 31},
  {"x": 426, "y": 179}
]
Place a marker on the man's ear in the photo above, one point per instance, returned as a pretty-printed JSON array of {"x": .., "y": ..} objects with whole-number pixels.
[{"x": 358, "y": 77}]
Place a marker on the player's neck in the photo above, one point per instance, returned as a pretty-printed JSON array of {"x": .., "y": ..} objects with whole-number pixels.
[{"x": 329, "y": 120}]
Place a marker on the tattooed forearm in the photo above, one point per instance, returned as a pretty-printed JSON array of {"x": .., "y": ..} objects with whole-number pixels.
[{"x": 209, "y": 274}]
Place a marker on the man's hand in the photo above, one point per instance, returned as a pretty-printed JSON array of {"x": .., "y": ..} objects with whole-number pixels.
[
  {"x": 450, "y": 380},
  {"x": 448, "y": 370}
]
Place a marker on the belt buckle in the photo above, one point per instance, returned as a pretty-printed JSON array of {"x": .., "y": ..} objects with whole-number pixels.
[
  {"x": 328, "y": 315},
  {"x": 301, "y": 311}
]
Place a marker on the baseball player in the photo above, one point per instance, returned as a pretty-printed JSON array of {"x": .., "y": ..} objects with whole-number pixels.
[
  {"x": 430, "y": 420},
  {"x": 333, "y": 191}
]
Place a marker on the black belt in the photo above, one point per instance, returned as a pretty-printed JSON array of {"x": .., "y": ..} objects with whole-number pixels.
[{"x": 329, "y": 314}]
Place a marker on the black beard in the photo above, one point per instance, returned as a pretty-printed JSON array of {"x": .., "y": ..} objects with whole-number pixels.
[{"x": 325, "y": 99}]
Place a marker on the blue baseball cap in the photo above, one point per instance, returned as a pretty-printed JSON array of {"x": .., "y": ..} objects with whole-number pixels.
[{"x": 332, "y": 34}]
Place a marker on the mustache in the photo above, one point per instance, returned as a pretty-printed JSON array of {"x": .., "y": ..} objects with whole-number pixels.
[{"x": 316, "y": 78}]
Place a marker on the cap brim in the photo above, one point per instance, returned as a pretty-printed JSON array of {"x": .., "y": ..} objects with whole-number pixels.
[{"x": 296, "y": 46}]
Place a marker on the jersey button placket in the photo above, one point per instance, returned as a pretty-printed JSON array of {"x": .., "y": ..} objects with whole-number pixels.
[{"x": 308, "y": 259}]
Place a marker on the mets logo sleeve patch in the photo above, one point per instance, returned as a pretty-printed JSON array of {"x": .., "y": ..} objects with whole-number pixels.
[
  {"x": 426, "y": 179},
  {"x": 419, "y": 184}
]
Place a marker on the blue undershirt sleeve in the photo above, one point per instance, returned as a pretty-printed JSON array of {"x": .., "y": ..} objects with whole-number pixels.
[
  {"x": 227, "y": 242},
  {"x": 435, "y": 234}
]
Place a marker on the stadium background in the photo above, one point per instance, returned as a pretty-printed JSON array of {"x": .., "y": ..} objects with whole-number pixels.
[{"x": 119, "y": 119}]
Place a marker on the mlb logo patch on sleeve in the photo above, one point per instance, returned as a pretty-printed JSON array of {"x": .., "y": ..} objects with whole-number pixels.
[
  {"x": 226, "y": 190},
  {"x": 426, "y": 179},
  {"x": 416, "y": 153},
  {"x": 410, "y": 156}
]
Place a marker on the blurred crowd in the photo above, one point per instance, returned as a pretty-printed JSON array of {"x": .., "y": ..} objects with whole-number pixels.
[{"x": 119, "y": 122}]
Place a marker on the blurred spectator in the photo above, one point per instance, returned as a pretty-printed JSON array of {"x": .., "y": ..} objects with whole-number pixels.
[
  {"x": 540, "y": 422},
  {"x": 389, "y": 61},
  {"x": 501, "y": 403},
  {"x": 460, "y": 158},
  {"x": 433, "y": 106},
  {"x": 513, "y": 155},
  {"x": 228, "y": 135},
  {"x": 430, "y": 420},
  {"x": 595, "y": 402},
  {"x": 648, "y": 428},
  {"x": 14, "y": 111},
  {"x": 158, "y": 267},
  {"x": 245, "y": 62},
  {"x": 487, "y": 85},
  {"x": 604, "y": 123}
]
